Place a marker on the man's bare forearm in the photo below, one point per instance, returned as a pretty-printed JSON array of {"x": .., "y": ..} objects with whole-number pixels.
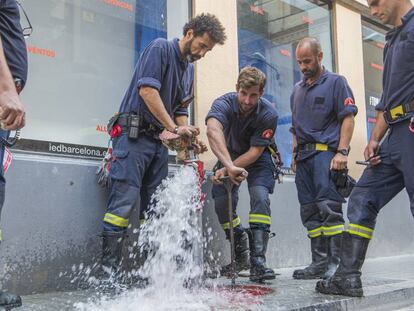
[
  {"x": 294, "y": 141},
  {"x": 380, "y": 127},
  {"x": 249, "y": 157},
  {"x": 217, "y": 142},
  {"x": 155, "y": 105},
  {"x": 181, "y": 120},
  {"x": 347, "y": 130}
]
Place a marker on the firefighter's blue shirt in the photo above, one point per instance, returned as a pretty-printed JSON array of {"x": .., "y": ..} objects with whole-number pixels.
[
  {"x": 318, "y": 110},
  {"x": 161, "y": 67},
  {"x": 398, "y": 77},
  {"x": 12, "y": 38},
  {"x": 256, "y": 129}
]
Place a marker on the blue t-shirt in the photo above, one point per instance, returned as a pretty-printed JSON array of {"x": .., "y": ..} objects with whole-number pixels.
[
  {"x": 318, "y": 110},
  {"x": 161, "y": 67},
  {"x": 14, "y": 46},
  {"x": 398, "y": 76},
  {"x": 256, "y": 129}
]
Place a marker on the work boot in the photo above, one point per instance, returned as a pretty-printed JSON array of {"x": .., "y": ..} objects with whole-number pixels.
[
  {"x": 334, "y": 255},
  {"x": 347, "y": 279},
  {"x": 242, "y": 261},
  {"x": 112, "y": 244},
  {"x": 9, "y": 301},
  {"x": 319, "y": 249},
  {"x": 258, "y": 239}
]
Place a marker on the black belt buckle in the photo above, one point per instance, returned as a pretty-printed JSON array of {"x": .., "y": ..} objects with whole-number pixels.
[{"x": 306, "y": 147}]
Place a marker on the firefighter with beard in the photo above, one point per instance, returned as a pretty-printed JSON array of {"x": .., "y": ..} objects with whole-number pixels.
[
  {"x": 323, "y": 113},
  {"x": 156, "y": 100},
  {"x": 240, "y": 127}
]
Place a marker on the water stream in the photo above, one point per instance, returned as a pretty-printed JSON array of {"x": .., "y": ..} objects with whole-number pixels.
[{"x": 173, "y": 240}]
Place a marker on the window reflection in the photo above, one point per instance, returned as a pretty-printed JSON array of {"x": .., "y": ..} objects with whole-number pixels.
[
  {"x": 373, "y": 41},
  {"x": 268, "y": 32}
]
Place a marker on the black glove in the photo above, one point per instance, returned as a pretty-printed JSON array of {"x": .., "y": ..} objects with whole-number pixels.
[{"x": 344, "y": 183}]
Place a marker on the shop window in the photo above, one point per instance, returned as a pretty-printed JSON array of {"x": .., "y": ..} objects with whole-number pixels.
[
  {"x": 268, "y": 33},
  {"x": 82, "y": 54},
  {"x": 373, "y": 42}
]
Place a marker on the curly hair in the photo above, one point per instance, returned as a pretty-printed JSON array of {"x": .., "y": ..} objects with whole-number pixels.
[
  {"x": 206, "y": 23},
  {"x": 251, "y": 76}
]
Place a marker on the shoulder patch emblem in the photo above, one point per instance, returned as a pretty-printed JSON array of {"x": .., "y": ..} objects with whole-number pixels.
[
  {"x": 267, "y": 134},
  {"x": 348, "y": 101}
]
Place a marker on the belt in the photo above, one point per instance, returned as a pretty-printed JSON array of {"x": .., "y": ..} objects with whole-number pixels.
[
  {"x": 399, "y": 112},
  {"x": 315, "y": 147},
  {"x": 144, "y": 126}
]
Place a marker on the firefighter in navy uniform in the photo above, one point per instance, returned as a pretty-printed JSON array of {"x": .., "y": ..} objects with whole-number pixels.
[
  {"x": 322, "y": 125},
  {"x": 240, "y": 129},
  {"x": 13, "y": 76},
  {"x": 391, "y": 164},
  {"x": 156, "y": 100}
]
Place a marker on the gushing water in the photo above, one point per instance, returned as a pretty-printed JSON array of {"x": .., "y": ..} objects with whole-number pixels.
[{"x": 171, "y": 239}]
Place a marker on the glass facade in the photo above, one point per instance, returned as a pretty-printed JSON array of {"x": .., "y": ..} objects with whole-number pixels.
[
  {"x": 373, "y": 41},
  {"x": 268, "y": 33},
  {"x": 82, "y": 55}
]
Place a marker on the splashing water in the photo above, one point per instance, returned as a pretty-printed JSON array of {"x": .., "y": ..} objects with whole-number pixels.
[{"x": 172, "y": 239}]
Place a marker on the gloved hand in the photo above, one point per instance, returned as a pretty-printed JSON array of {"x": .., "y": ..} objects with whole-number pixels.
[
  {"x": 103, "y": 170},
  {"x": 344, "y": 183}
]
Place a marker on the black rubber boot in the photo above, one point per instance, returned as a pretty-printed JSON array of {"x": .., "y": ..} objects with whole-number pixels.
[
  {"x": 258, "y": 239},
  {"x": 334, "y": 255},
  {"x": 9, "y": 301},
  {"x": 317, "y": 269},
  {"x": 347, "y": 279},
  {"x": 242, "y": 259},
  {"x": 112, "y": 244}
]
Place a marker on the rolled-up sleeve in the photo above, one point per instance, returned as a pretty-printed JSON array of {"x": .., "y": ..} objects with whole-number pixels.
[
  {"x": 345, "y": 102},
  {"x": 264, "y": 133},
  {"x": 219, "y": 111},
  {"x": 151, "y": 67},
  {"x": 381, "y": 104}
]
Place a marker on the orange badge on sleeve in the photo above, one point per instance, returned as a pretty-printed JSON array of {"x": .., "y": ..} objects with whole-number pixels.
[
  {"x": 348, "y": 101},
  {"x": 267, "y": 134}
]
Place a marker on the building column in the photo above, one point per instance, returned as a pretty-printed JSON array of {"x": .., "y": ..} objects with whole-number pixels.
[
  {"x": 216, "y": 74},
  {"x": 349, "y": 60}
]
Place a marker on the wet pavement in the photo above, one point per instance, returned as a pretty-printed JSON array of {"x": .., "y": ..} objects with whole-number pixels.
[{"x": 388, "y": 285}]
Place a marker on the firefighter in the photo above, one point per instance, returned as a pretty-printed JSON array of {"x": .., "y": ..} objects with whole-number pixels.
[
  {"x": 240, "y": 129},
  {"x": 157, "y": 99},
  {"x": 323, "y": 113},
  {"x": 13, "y": 77},
  {"x": 391, "y": 164}
]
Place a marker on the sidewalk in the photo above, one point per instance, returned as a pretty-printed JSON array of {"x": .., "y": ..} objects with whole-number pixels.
[{"x": 388, "y": 285}]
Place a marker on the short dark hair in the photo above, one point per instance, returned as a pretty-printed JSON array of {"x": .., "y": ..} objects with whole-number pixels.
[{"x": 206, "y": 23}]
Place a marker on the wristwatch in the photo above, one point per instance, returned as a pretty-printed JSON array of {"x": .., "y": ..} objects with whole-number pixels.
[{"x": 344, "y": 152}]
